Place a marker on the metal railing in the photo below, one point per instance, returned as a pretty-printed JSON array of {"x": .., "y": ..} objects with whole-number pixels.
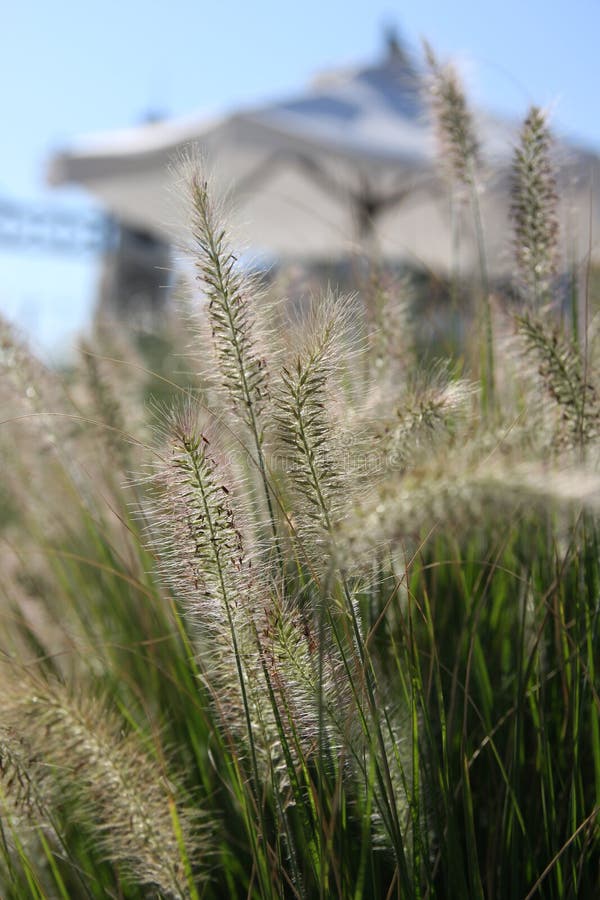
[{"x": 25, "y": 226}]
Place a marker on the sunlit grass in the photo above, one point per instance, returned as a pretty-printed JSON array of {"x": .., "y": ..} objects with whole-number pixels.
[{"x": 322, "y": 623}]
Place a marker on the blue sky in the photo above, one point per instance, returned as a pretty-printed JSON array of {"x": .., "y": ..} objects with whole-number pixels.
[{"x": 67, "y": 68}]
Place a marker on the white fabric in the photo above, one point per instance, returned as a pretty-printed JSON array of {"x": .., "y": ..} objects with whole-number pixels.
[{"x": 293, "y": 171}]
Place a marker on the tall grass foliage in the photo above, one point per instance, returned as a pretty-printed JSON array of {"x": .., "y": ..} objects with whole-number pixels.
[{"x": 324, "y": 623}]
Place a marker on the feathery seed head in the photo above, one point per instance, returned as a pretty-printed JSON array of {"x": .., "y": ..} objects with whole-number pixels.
[
  {"x": 562, "y": 371},
  {"x": 457, "y": 137},
  {"x": 534, "y": 209},
  {"x": 259, "y": 662},
  {"x": 428, "y": 416},
  {"x": 19, "y": 790},
  {"x": 301, "y": 404},
  {"x": 118, "y": 790},
  {"x": 230, "y": 293},
  {"x": 106, "y": 406},
  {"x": 201, "y": 545}
]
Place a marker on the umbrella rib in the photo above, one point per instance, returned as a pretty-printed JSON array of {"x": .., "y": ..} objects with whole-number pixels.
[{"x": 279, "y": 159}]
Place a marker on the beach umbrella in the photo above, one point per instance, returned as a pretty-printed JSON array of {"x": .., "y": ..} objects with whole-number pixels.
[{"x": 346, "y": 166}]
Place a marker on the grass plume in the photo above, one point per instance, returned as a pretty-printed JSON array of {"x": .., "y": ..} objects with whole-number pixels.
[
  {"x": 242, "y": 368},
  {"x": 301, "y": 404},
  {"x": 457, "y": 135},
  {"x": 459, "y": 146},
  {"x": 562, "y": 373},
  {"x": 534, "y": 210},
  {"x": 117, "y": 789}
]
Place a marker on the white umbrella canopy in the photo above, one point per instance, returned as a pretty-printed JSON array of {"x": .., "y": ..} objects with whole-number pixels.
[{"x": 349, "y": 163}]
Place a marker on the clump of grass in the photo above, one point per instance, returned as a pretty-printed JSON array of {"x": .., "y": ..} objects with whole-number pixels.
[{"x": 317, "y": 679}]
